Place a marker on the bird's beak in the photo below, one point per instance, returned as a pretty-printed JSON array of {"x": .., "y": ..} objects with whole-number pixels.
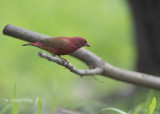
[{"x": 87, "y": 44}]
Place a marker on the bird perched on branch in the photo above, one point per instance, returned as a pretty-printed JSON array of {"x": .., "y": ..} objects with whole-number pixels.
[{"x": 60, "y": 45}]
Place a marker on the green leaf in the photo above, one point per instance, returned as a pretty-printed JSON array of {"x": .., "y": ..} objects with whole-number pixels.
[
  {"x": 114, "y": 109},
  {"x": 14, "y": 104},
  {"x": 39, "y": 106},
  {"x": 152, "y": 106},
  {"x": 149, "y": 98}
]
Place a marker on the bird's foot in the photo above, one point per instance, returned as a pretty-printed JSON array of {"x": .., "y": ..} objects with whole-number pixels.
[{"x": 64, "y": 60}]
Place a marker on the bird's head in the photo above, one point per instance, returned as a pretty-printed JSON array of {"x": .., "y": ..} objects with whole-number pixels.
[{"x": 80, "y": 42}]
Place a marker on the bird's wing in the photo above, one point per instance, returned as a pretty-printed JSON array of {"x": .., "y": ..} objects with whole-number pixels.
[{"x": 57, "y": 42}]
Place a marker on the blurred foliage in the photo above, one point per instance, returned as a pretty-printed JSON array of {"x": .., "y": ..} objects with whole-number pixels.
[
  {"x": 141, "y": 109},
  {"x": 115, "y": 110},
  {"x": 15, "y": 104},
  {"x": 39, "y": 105},
  {"x": 152, "y": 106},
  {"x": 106, "y": 24}
]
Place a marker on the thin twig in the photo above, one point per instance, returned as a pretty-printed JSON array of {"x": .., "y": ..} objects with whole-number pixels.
[
  {"x": 69, "y": 66},
  {"x": 65, "y": 111}
]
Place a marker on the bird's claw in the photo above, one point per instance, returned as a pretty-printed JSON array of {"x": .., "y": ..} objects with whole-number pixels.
[{"x": 64, "y": 61}]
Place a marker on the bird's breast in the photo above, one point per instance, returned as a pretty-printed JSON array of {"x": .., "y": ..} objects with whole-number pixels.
[{"x": 66, "y": 50}]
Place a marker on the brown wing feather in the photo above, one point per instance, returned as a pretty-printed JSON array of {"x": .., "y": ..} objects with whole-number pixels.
[{"x": 54, "y": 42}]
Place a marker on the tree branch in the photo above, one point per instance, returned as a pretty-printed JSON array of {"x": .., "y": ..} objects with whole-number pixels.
[
  {"x": 96, "y": 64},
  {"x": 71, "y": 67}
]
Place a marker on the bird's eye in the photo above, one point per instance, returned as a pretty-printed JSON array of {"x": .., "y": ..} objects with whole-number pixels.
[{"x": 83, "y": 41}]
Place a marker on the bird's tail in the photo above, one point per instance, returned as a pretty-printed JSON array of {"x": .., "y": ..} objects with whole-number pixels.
[
  {"x": 26, "y": 44},
  {"x": 37, "y": 44}
]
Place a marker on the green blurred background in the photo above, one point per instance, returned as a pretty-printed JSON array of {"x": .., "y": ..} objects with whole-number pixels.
[{"x": 106, "y": 24}]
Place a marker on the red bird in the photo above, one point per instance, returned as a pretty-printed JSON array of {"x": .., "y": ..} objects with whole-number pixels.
[{"x": 60, "y": 45}]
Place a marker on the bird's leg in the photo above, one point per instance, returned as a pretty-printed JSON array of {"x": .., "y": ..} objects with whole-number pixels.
[
  {"x": 63, "y": 59},
  {"x": 53, "y": 55}
]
